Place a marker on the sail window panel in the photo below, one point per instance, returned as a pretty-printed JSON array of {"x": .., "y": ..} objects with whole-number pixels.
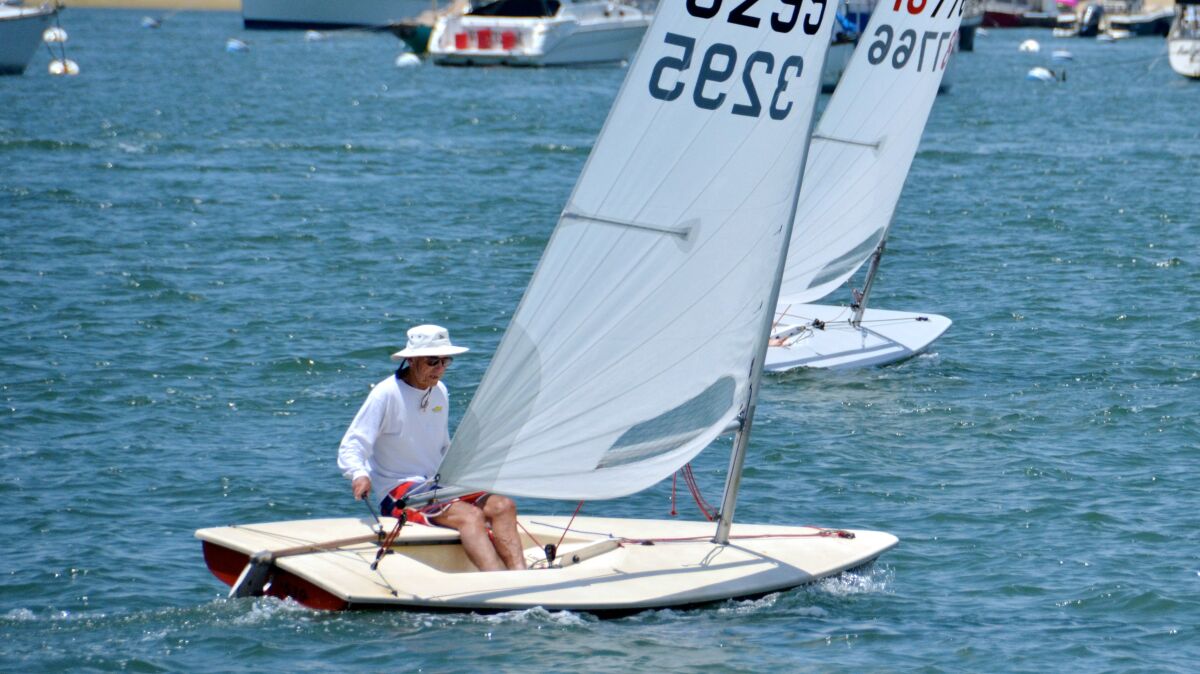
[
  {"x": 845, "y": 266},
  {"x": 673, "y": 428}
]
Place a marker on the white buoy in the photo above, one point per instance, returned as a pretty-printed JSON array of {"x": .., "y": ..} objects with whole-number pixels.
[
  {"x": 1062, "y": 56},
  {"x": 313, "y": 36},
  {"x": 1040, "y": 74},
  {"x": 63, "y": 67},
  {"x": 235, "y": 45},
  {"x": 54, "y": 34},
  {"x": 1030, "y": 46},
  {"x": 151, "y": 22},
  {"x": 408, "y": 60}
]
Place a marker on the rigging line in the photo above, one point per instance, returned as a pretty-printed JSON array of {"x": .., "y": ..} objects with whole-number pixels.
[
  {"x": 782, "y": 314},
  {"x": 569, "y": 523},
  {"x": 367, "y": 503},
  {"x": 530, "y": 535},
  {"x": 385, "y": 546}
]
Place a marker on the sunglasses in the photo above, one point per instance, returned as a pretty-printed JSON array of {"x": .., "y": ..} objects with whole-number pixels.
[{"x": 434, "y": 361}]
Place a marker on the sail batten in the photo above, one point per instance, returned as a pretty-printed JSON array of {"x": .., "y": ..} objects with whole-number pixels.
[
  {"x": 681, "y": 232},
  {"x": 631, "y": 349}
]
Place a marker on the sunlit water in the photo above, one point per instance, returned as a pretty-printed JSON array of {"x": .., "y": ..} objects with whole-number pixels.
[{"x": 206, "y": 257}]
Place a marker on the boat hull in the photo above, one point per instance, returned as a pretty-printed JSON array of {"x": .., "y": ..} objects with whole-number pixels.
[
  {"x": 1155, "y": 23},
  {"x": 318, "y": 14},
  {"x": 883, "y": 337},
  {"x": 623, "y": 566},
  {"x": 514, "y": 41},
  {"x": 20, "y": 35},
  {"x": 1184, "y": 55}
]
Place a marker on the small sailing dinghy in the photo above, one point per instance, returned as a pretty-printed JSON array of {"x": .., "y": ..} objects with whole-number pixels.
[
  {"x": 639, "y": 341},
  {"x": 861, "y": 153}
]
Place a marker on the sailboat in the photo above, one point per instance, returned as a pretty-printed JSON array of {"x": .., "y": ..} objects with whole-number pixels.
[
  {"x": 861, "y": 152},
  {"x": 678, "y": 226}
]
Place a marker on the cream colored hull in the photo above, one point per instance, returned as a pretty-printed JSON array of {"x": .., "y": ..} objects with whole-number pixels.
[{"x": 623, "y": 565}]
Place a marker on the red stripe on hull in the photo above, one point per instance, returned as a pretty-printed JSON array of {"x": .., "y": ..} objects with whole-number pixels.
[{"x": 227, "y": 565}]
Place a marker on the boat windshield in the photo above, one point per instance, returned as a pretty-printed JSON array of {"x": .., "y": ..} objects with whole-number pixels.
[{"x": 517, "y": 8}]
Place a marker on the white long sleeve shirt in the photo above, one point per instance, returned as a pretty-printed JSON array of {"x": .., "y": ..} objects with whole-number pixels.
[{"x": 394, "y": 439}]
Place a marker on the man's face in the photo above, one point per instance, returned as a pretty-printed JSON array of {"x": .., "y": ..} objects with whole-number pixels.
[{"x": 427, "y": 371}]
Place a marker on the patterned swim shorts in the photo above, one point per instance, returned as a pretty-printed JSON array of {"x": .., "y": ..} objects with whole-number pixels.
[{"x": 390, "y": 505}]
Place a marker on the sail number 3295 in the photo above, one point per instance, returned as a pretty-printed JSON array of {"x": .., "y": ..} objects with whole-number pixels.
[{"x": 720, "y": 61}]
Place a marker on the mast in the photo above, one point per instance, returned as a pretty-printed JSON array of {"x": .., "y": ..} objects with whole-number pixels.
[
  {"x": 733, "y": 480},
  {"x": 861, "y": 304}
]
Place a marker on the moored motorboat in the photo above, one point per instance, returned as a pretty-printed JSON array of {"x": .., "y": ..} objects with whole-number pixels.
[
  {"x": 414, "y": 32},
  {"x": 1183, "y": 42},
  {"x": 539, "y": 33},
  {"x": 1146, "y": 23},
  {"x": 21, "y": 31}
]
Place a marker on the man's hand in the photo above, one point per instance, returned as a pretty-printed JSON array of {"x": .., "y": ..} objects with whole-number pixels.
[{"x": 361, "y": 487}]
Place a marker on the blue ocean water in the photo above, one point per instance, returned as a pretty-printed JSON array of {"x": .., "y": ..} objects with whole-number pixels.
[{"x": 206, "y": 257}]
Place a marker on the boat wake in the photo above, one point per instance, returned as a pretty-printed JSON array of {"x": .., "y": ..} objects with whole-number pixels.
[{"x": 872, "y": 579}]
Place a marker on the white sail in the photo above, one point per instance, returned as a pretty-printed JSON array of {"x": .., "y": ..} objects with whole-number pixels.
[
  {"x": 865, "y": 142},
  {"x": 632, "y": 348}
]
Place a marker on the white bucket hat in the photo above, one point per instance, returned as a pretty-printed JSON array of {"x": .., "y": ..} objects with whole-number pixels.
[{"x": 428, "y": 340}]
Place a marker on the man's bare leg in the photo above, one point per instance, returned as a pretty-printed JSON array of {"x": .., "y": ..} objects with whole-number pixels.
[
  {"x": 501, "y": 512},
  {"x": 470, "y": 523}
]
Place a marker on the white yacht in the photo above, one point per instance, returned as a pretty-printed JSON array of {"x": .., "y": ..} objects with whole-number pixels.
[
  {"x": 1183, "y": 42},
  {"x": 20, "y": 35},
  {"x": 539, "y": 33}
]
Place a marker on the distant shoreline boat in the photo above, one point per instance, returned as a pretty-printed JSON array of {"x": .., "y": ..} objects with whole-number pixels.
[
  {"x": 1147, "y": 23},
  {"x": 1183, "y": 42},
  {"x": 20, "y": 34},
  {"x": 321, "y": 14}
]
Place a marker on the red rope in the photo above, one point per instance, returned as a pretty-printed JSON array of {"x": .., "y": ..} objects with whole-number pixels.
[
  {"x": 689, "y": 478},
  {"x": 569, "y": 523},
  {"x": 530, "y": 535}
]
